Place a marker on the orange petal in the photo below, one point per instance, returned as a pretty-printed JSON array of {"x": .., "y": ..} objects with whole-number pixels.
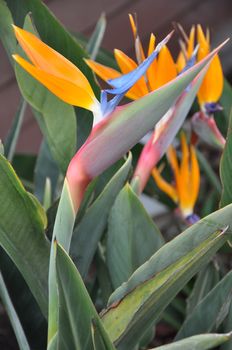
[
  {"x": 126, "y": 65},
  {"x": 151, "y": 72},
  {"x": 49, "y": 60},
  {"x": 151, "y": 46},
  {"x": 184, "y": 189},
  {"x": 204, "y": 47},
  {"x": 64, "y": 89},
  {"x": 181, "y": 62},
  {"x": 164, "y": 185},
  {"x": 195, "y": 176},
  {"x": 191, "y": 40},
  {"x": 172, "y": 158},
  {"x": 212, "y": 85},
  {"x": 106, "y": 73},
  {"x": 133, "y": 25},
  {"x": 166, "y": 68}
]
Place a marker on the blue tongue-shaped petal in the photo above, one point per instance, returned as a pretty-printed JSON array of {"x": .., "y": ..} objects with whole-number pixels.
[
  {"x": 108, "y": 106},
  {"x": 122, "y": 84},
  {"x": 190, "y": 63}
]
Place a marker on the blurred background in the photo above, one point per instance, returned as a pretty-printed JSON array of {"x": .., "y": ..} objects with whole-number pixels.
[{"x": 154, "y": 16}]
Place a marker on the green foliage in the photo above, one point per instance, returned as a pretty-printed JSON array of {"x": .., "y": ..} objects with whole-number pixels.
[
  {"x": 197, "y": 342},
  {"x": 226, "y": 168},
  {"x": 22, "y": 232},
  {"x": 215, "y": 304},
  {"x": 135, "y": 305},
  {"x": 132, "y": 237},
  {"x": 21, "y": 338},
  {"x": 89, "y": 232},
  {"x": 76, "y": 325},
  {"x": 111, "y": 278}
]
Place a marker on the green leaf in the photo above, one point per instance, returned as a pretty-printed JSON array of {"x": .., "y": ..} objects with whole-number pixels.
[
  {"x": 15, "y": 322},
  {"x": 88, "y": 233},
  {"x": 12, "y": 137},
  {"x": 95, "y": 41},
  {"x": 223, "y": 117},
  {"x": 132, "y": 236},
  {"x": 99, "y": 340},
  {"x": 135, "y": 305},
  {"x": 209, "y": 172},
  {"x": 226, "y": 100},
  {"x": 211, "y": 310},
  {"x": 76, "y": 311},
  {"x": 226, "y": 168},
  {"x": 6, "y": 31},
  {"x": 227, "y": 326},
  {"x": 22, "y": 232},
  {"x": 103, "y": 56},
  {"x": 103, "y": 276},
  {"x": 31, "y": 318},
  {"x": 205, "y": 281},
  {"x": 45, "y": 168},
  {"x": 1, "y": 148},
  {"x": 62, "y": 233},
  {"x": 197, "y": 342}
]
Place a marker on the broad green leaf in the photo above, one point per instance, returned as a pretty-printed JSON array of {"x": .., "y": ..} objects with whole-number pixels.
[
  {"x": 76, "y": 311},
  {"x": 62, "y": 233},
  {"x": 226, "y": 168},
  {"x": 103, "y": 276},
  {"x": 31, "y": 318},
  {"x": 104, "y": 57},
  {"x": 45, "y": 168},
  {"x": 132, "y": 236},
  {"x": 227, "y": 326},
  {"x": 84, "y": 125},
  {"x": 6, "y": 31},
  {"x": 140, "y": 301},
  {"x": 209, "y": 172},
  {"x": 98, "y": 338},
  {"x": 88, "y": 233},
  {"x": 22, "y": 232},
  {"x": 226, "y": 102},
  {"x": 223, "y": 117},
  {"x": 12, "y": 137},
  {"x": 197, "y": 342},
  {"x": 205, "y": 281},
  {"x": 15, "y": 322},
  {"x": 95, "y": 40},
  {"x": 210, "y": 312},
  {"x": 1, "y": 148}
]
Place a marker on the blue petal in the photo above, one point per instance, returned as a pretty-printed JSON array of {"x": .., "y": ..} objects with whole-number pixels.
[
  {"x": 212, "y": 107},
  {"x": 192, "y": 219},
  {"x": 104, "y": 101},
  {"x": 190, "y": 63},
  {"x": 125, "y": 82},
  {"x": 108, "y": 106}
]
